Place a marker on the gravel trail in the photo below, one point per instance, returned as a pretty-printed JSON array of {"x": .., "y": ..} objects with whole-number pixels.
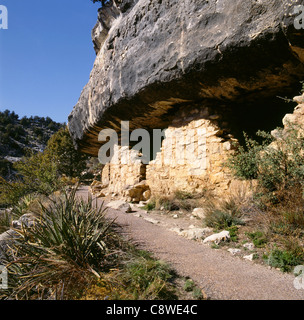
[{"x": 220, "y": 274}]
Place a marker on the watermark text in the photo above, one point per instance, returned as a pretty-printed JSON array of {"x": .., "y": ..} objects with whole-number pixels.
[{"x": 3, "y": 17}]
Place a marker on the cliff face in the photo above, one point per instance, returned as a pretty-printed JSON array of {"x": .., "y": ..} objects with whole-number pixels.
[
  {"x": 214, "y": 67},
  {"x": 156, "y": 56}
]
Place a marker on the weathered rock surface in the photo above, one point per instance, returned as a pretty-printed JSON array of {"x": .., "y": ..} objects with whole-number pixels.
[
  {"x": 120, "y": 205},
  {"x": 218, "y": 237},
  {"x": 27, "y": 220},
  {"x": 156, "y": 56},
  {"x": 195, "y": 233},
  {"x": 199, "y": 213}
]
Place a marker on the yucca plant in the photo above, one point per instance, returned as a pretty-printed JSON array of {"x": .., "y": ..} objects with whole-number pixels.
[{"x": 70, "y": 242}]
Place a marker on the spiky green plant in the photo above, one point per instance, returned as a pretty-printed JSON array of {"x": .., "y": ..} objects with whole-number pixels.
[{"x": 71, "y": 242}]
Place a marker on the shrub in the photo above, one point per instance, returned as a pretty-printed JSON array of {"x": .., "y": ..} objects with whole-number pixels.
[
  {"x": 233, "y": 232},
  {"x": 283, "y": 259},
  {"x": 5, "y": 221},
  {"x": 179, "y": 200},
  {"x": 258, "y": 238},
  {"x": 223, "y": 215},
  {"x": 276, "y": 163},
  {"x": 38, "y": 173},
  {"x": 167, "y": 203},
  {"x": 151, "y": 205},
  {"x": 189, "y": 285},
  {"x": 244, "y": 162},
  {"x": 197, "y": 293},
  {"x": 183, "y": 195},
  {"x": 148, "y": 279},
  {"x": 141, "y": 278}
]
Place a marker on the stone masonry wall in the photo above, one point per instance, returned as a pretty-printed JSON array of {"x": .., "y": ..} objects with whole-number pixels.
[
  {"x": 196, "y": 160},
  {"x": 191, "y": 159},
  {"x": 123, "y": 171}
]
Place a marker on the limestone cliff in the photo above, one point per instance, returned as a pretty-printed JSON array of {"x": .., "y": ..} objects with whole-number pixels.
[
  {"x": 159, "y": 55},
  {"x": 212, "y": 64}
]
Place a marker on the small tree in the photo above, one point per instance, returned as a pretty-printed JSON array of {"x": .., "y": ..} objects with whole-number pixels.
[
  {"x": 41, "y": 172},
  {"x": 60, "y": 150}
]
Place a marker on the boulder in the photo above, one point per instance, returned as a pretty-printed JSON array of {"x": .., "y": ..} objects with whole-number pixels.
[
  {"x": 119, "y": 205},
  {"x": 195, "y": 233},
  {"x": 199, "y": 213},
  {"x": 136, "y": 192},
  {"x": 249, "y": 257},
  {"x": 250, "y": 246},
  {"x": 146, "y": 195},
  {"x": 234, "y": 251},
  {"x": 27, "y": 220},
  {"x": 218, "y": 237},
  {"x": 6, "y": 239}
]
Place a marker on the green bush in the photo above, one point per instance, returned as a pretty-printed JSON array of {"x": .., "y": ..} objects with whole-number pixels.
[
  {"x": 284, "y": 259},
  {"x": 258, "y": 238},
  {"x": 276, "y": 163},
  {"x": 150, "y": 205},
  {"x": 147, "y": 278},
  {"x": 244, "y": 162},
  {"x": 223, "y": 215},
  {"x": 233, "y": 232},
  {"x": 189, "y": 285},
  {"x": 221, "y": 220}
]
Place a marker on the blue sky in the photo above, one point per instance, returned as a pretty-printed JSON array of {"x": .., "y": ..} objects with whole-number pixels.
[{"x": 46, "y": 56}]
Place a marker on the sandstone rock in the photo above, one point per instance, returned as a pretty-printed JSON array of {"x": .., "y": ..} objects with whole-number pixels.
[
  {"x": 249, "y": 246},
  {"x": 249, "y": 257},
  {"x": 185, "y": 66},
  {"x": 146, "y": 195},
  {"x": 119, "y": 205},
  {"x": 8, "y": 235},
  {"x": 151, "y": 220},
  {"x": 199, "y": 213},
  {"x": 100, "y": 195},
  {"x": 106, "y": 17},
  {"x": 177, "y": 230},
  {"x": 96, "y": 187},
  {"x": 27, "y": 220},
  {"x": 299, "y": 99},
  {"x": 6, "y": 239},
  {"x": 234, "y": 251},
  {"x": 218, "y": 237},
  {"x": 194, "y": 233},
  {"x": 136, "y": 193}
]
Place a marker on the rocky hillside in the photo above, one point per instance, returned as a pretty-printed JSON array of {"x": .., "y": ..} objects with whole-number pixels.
[{"x": 20, "y": 136}]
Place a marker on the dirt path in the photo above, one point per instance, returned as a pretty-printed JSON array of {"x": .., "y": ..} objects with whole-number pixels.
[{"x": 219, "y": 274}]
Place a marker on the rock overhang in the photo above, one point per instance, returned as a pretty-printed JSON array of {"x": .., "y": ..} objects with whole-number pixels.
[{"x": 163, "y": 55}]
